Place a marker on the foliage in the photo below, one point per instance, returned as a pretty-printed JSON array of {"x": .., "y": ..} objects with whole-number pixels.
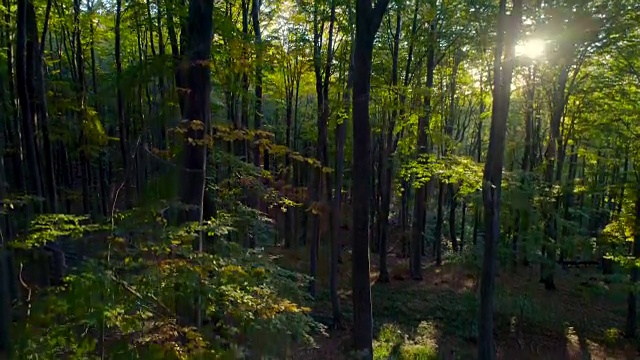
[
  {"x": 135, "y": 302},
  {"x": 47, "y": 228}
]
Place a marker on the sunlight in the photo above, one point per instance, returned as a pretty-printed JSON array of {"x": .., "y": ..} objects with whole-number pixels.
[{"x": 533, "y": 49}]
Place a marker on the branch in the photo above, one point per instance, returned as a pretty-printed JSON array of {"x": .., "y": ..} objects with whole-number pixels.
[
  {"x": 376, "y": 16},
  {"x": 446, "y": 49}
]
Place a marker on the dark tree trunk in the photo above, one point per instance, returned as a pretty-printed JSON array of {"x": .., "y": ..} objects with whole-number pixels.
[
  {"x": 463, "y": 226},
  {"x": 198, "y": 109},
  {"x": 24, "y": 76},
  {"x": 508, "y": 30},
  {"x": 341, "y": 136},
  {"x": 289, "y": 89},
  {"x": 368, "y": 21},
  {"x": 123, "y": 122},
  {"x": 476, "y": 214},
  {"x": 551, "y": 157},
  {"x": 389, "y": 150},
  {"x": 13, "y": 133},
  {"x": 420, "y": 209},
  {"x": 198, "y": 118},
  {"x": 41, "y": 96},
  {"x": 450, "y": 189},
  {"x": 526, "y": 166},
  {"x": 439, "y": 220},
  {"x": 631, "y": 326},
  {"x": 5, "y": 305},
  {"x": 257, "y": 112},
  {"x": 80, "y": 95},
  {"x": 406, "y": 189}
]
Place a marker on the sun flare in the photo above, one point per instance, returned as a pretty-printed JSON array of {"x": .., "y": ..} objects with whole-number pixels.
[{"x": 532, "y": 49}]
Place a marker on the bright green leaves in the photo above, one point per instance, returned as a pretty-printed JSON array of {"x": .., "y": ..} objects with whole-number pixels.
[
  {"x": 51, "y": 227},
  {"x": 453, "y": 169}
]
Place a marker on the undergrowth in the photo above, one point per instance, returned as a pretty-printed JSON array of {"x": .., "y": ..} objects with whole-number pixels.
[{"x": 137, "y": 298}]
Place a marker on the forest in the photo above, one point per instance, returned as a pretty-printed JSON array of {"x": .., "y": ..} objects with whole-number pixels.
[{"x": 313, "y": 179}]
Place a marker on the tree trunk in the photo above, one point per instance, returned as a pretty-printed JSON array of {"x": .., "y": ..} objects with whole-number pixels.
[
  {"x": 450, "y": 189},
  {"x": 41, "y": 96},
  {"x": 257, "y": 111},
  {"x": 389, "y": 150},
  {"x": 420, "y": 210},
  {"x": 24, "y": 76},
  {"x": 367, "y": 23},
  {"x": 341, "y": 136},
  {"x": 5, "y": 305},
  {"x": 198, "y": 112},
  {"x": 630, "y": 330},
  {"x": 439, "y": 220},
  {"x": 476, "y": 214},
  {"x": 123, "y": 122},
  {"x": 551, "y": 157},
  {"x": 508, "y": 30}
]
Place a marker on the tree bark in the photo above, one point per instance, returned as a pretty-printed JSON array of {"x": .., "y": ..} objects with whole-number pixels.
[
  {"x": 368, "y": 21},
  {"x": 123, "y": 122},
  {"x": 23, "y": 77},
  {"x": 389, "y": 150},
  {"x": 420, "y": 210},
  {"x": 631, "y": 326},
  {"x": 508, "y": 30}
]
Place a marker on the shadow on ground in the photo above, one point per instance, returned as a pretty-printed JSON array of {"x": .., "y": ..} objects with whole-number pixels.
[{"x": 437, "y": 317}]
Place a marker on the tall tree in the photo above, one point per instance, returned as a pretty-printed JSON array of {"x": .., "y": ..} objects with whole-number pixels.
[
  {"x": 368, "y": 21},
  {"x": 198, "y": 109},
  {"x": 25, "y": 76},
  {"x": 420, "y": 203},
  {"x": 508, "y": 30}
]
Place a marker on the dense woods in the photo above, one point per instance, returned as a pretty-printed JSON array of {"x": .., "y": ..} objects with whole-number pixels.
[{"x": 388, "y": 179}]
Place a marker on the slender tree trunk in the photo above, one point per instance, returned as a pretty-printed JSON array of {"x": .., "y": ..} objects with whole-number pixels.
[
  {"x": 389, "y": 149},
  {"x": 289, "y": 76},
  {"x": 341, "y": 136},
  {"x": 442, "y": 190},
  {"x": 123, "y": 122},
  {"x": 463, "y": 226},
  {"x": 508, "y": 30},
  {"x": 41, "y": 95},
  {"x": 631, "y": 326},
  {"x": 81, "y": 93},
  {"x": 526, "y": 168},
  {"x": 14, "y": 135},
  {"x": 420, "y": 211},
  {"x": 448, "y": 188},
  {"x": 5, "y": 305},
  {"x": 23, "y": 76},
  {"x": 476, "y": 215},
  {"x": 406, "y": 189},
  {"x": 551, "y": 157}
]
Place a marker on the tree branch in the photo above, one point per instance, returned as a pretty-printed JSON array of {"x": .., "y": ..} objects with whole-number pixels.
[{"x": 378, "y": 12}]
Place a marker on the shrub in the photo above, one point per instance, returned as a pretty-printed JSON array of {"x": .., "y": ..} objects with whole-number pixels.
[{"x": 139, "y": 302}]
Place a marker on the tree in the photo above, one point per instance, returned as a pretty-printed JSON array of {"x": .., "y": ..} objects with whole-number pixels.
[
  {"x": 508, "y": 29},
  {"x": 368, "y": 21},
  {"x": 198, "y": 114}
]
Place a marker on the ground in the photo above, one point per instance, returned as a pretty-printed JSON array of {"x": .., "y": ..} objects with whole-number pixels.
[{"x": 437, "y": 318}]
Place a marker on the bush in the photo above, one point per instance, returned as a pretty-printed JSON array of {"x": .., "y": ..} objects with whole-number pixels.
[
  {"x": 392, "y": 343},
  {"x": 138, "y": 300}
]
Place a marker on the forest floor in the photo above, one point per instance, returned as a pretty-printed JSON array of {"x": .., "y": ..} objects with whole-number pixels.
[{"x": 437, "y": 317}]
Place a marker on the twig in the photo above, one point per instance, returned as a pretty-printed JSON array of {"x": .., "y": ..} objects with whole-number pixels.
[
  {"x": 27, "y": 288},
  {"x": 127, "y": 287}
]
